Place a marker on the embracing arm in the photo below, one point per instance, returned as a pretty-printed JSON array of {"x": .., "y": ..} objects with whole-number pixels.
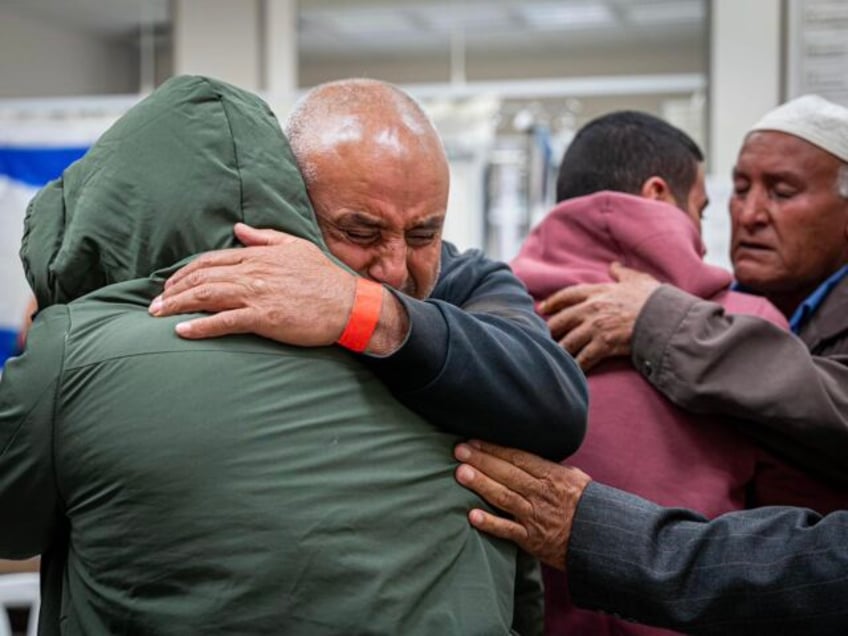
[
  {"x": 474, "y": 359},
  {"x": 28, "y": 497},
  {"x": 480, "y": 363},
  {"x": 762, "y": 571},
  {"x": 707, "y": 361}
]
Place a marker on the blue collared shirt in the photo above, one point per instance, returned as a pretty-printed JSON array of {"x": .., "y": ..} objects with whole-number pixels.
[{"x": 812, "y": 302}]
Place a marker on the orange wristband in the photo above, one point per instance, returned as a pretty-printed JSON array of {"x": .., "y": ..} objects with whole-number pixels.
[{"x": 363, "y": 317}]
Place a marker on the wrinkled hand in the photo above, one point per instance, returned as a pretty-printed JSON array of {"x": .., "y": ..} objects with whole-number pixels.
[
  {"x": 595, "y": 322},
  {"x": 279, "y": 286},
  {"x": 541, "y": 496}
]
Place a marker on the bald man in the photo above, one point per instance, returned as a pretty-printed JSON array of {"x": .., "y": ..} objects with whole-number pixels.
[{"x": 456, "y": 340}]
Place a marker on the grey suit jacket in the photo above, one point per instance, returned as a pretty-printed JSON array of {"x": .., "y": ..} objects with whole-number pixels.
[{"x": 769, "y": 570}]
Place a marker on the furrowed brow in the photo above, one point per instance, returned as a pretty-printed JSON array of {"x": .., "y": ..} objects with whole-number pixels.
[{"x": 363, "y": 219}]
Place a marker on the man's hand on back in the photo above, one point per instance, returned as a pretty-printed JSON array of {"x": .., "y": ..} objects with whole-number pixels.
[
  {"x": 540, "y": 496},
  {"x": 280, "y": 287},
  {"x": 595, "y": 322}
]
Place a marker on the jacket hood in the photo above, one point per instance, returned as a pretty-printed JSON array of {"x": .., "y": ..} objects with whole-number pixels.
[
  {"x": 166, "y": 182},
  {"x": 579, "y": 238}
]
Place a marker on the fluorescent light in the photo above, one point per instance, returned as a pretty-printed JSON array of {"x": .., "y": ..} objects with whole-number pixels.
[
  {"x": 365, "y": 21},
  {"x": 559, "y": 15},
  {"x": 667, "y": 12},
  {"x": 447, "y": 16}
]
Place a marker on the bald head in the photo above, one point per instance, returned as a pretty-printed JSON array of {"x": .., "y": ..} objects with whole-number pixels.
[
  {"x": 362, "y": 112},
  {"x": 377, "y": 176}
]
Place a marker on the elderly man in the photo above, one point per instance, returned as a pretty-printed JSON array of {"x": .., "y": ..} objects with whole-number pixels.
[
  {"x": 457, "y": 339},
  {"x": 228, "y": 486},
  {"x": 789, "y": 213}
]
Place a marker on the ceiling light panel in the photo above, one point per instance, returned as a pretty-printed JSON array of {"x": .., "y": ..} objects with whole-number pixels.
[
  {"x": 366, "y": 21},
  {"x": 561, "y": 15},
  {"x": 445, "y": 16},
  {"x": 679, "y": 11}
]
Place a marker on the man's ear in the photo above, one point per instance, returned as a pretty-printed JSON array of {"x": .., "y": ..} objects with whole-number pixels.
[{"x": 656, "y": 189}]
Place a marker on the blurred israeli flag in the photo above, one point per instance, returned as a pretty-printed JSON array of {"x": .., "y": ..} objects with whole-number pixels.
[
  {"x": 23, "y": 170},
  {"x": 35, "y": 147}
]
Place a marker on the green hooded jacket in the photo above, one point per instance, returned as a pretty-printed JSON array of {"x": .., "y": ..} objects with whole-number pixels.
[{"x": 228, "y": 486}]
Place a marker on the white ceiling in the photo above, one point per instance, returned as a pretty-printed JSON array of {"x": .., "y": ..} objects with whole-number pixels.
[
  {"x": 328, "y": 27},
  {"x": 102, "y": 17},
  {"x": 335, "y": 27}
]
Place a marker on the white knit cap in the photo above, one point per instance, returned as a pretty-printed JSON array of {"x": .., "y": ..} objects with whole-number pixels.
[{"x": 814, "y": 119}]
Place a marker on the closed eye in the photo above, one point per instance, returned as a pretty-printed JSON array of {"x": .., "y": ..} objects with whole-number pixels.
[
  {"x": 784, "y": 191},
  {"x": 740, "y": 188},
  {"x": 363, "y": 236},
  {"x": 420, "y": 238}
]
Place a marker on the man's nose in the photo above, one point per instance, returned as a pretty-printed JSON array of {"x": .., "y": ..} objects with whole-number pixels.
[
  {"x": 752, "y": 210},
  {"x": 390, "y": 266}
]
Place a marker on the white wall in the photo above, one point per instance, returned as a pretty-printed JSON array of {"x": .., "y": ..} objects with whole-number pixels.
[
  {"x": 41, "y": 59},
  {"x": 744, "y": 83},
  {"x": 745, "y": 73},
  {"x": 218, "y": 38}
]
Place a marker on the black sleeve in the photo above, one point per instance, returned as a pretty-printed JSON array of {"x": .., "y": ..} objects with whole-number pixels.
[
  {"x": 480, "y": 363},
  {"x": 772, "y": 570}
]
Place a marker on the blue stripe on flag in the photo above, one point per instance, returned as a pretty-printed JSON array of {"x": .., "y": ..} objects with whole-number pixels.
[
  {"x": 8, "y": 344},
  {"x": 37, "y": 166}
]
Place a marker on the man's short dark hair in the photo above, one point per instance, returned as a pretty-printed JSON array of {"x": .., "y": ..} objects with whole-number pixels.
[{"x": 621, "y": 150}]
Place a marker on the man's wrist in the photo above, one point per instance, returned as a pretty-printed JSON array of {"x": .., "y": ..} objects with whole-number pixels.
[
  {"x": 392, "y": 328},
  {"x": 577, "y": 484},
  {"x": 364, "y": 316}
]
